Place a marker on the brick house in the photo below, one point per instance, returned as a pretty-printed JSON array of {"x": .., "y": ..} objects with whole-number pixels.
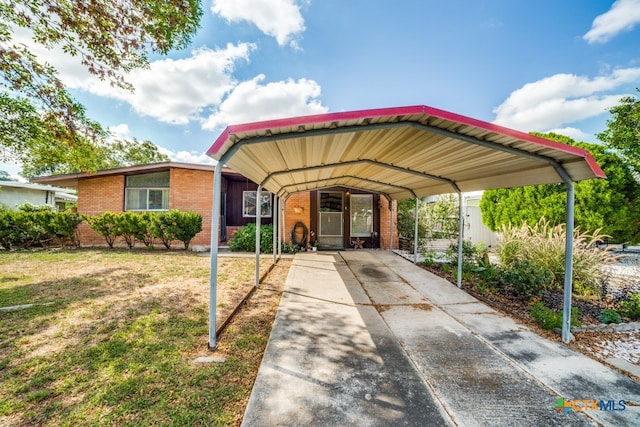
[{"x": 337, "y": 217}]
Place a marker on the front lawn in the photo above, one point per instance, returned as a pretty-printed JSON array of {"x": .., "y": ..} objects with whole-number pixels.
[{"x": 112, "y": 338}]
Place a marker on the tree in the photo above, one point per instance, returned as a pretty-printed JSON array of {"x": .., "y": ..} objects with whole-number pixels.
[
  {"x": 435, "y": 220},
  {"x": 49, "y": 160},
  {"x": 612, "y": 204},
  {"x": 109, "y": 38},
  {"x": 623, "y": 131}
]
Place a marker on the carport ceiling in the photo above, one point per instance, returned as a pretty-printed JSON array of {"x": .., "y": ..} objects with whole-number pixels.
[{"x": 401, "y": 152}]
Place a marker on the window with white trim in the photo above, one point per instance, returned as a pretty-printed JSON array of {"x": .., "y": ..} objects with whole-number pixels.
[
  {"x": 147, "y": 192},
  {"x": 361, "y": 210},
  {"x": 249, "y": 204}
]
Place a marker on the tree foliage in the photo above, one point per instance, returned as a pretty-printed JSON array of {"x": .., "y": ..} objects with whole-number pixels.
[
  {"x": 623, "y": 131},
  {"x": 435, "y": 220},
  {"x": 49, "y": 160},
  {"x": 612, "y": 204},
  {"x": 110, "y": 38}
]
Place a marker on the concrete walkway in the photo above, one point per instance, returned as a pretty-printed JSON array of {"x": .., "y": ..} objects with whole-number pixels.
[{"x": 367, "y": 338}]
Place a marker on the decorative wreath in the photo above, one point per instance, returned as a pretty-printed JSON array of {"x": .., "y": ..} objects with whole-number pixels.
[{"x": 302, "y": 242}]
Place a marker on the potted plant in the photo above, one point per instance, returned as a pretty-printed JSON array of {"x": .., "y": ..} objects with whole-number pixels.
[{"x": 314, "y": 242}]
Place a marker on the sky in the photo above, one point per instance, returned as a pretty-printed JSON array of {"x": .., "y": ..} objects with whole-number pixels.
[{"x": 543, "y": 65}]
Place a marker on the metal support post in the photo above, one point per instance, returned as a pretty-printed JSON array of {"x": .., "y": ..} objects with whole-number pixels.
[
  {"x": 213, "y": 275},
  {"x": 258, "y": 220}
]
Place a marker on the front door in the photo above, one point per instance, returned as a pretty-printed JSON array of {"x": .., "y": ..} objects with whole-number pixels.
[{"x": 330, "y": 219}]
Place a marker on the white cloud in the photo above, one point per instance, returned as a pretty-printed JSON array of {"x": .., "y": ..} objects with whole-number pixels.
[
  {"x": 280, "y": 19},
  {"x": 196, "y": 157},
  {"x": 173, "y": 91},
  {"x": 573, "y": 133},
  {"x": 120, "y": 131},
  {"x": 176, "y": 91},
  {"x": 251, "y": 101},
  {"x": 13, "y": 169},
  {"x": 623, "y": 16},
  {"x": 562, "y": 99}
]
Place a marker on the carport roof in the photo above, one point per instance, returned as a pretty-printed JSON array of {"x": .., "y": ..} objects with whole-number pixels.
[{"x": 401, "y": 152}]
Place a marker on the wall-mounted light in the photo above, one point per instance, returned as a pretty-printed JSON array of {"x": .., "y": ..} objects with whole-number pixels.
[{"x": 298, "y": 209}]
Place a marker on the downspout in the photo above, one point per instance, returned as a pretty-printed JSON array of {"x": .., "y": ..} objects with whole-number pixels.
[
  {"x": 258, "y": 221},
  {"x": 415, "y": 234},
  {"x": 460, "y": 237},
  {"x": 213, "y": 275}
]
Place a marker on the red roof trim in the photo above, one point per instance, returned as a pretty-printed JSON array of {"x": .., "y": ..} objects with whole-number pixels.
[{"x": 401, "y": 111}]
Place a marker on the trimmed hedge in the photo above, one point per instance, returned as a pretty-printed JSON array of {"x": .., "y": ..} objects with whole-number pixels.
[
  {"x": 38, "y": 226},
  {"x": 147, "y": 226}
]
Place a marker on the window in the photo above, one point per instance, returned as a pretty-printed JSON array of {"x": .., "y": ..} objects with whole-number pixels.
[
  {"x": 249, "y": 204},
  {"x": 361, "y": 215},
  {"x": 147, "y": 192}
]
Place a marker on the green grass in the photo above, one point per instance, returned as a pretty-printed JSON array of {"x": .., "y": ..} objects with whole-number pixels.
[{"x": 117, "y": 345}]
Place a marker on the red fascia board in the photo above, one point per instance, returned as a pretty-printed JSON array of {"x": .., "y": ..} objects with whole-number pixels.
[{"x": 400, "y": 111}]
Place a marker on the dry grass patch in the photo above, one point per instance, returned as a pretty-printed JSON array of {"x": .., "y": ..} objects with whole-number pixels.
[{"x": 115, "y": 341}]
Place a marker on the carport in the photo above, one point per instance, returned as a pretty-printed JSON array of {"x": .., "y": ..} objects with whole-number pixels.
[{"x": 403, "y": 152}]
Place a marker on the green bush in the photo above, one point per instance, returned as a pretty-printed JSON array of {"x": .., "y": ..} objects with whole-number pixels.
[
  {"x": 130, "y": 225},
  {"x": 63, "y": 226},
  {"x": 526, "y": 277},
  {"x": 107, "y": 225},
  {"x": 244, "y": 239},
  {"x": 551, "y": 319},
  {"x": 164, "y": 226},
  {"x": 468, "y": 254},
  {"x": 145, "y": 226},
  {"x": 189, "y": 224},
  {"x": 608, "y": 316},
  {"x": 544, "y": 246},
  {"x": 631, "y": 307},
  {"x": 37, "y": 226}
]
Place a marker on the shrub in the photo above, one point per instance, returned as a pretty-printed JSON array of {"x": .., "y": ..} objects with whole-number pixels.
[
  {"x": 631, "y": 307},
  {"x": 608, "y": 316},
  {"x": 107, "y": 225},
  {"x": 188, "y": 224},
  {"x": 468, "y": 254},
  {"x": 130, "y": 225},
  {"x": 244, "y": 239},
  {"x": 164, "y": 226},
  {"x": 429, "y": 257},
  {"x": 37, "y": 226},
  {"x": 526, "y": 277},
  {"x": 551, "y": 319},
  {"x": 63, "y": 226},
  {"x": 145, "y": 233},
  {"x": 544, "y": 246}
]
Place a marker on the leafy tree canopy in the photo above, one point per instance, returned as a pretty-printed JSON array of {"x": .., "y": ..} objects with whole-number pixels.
[
  {"x": 612, "y": 204},
  {"x": 51, "y": 160},
  {"x": 623, "y": 131},
  {"x": 110, "y": 38}
]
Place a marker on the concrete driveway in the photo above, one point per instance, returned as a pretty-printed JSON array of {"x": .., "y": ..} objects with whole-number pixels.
[{"x": 367, "y": 338}]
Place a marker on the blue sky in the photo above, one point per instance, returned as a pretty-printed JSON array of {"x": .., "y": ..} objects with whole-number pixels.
[{"x": 530, "y": 65}]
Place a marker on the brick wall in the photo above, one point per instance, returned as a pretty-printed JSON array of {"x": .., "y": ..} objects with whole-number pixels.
[
  {"x": 193, "y": 190},
  {"x": 384, "y": 224},
  {"x": 297, "y": 208},
  {"x": 189, "y": 190},
  {"x": 95, "y": 196}
]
